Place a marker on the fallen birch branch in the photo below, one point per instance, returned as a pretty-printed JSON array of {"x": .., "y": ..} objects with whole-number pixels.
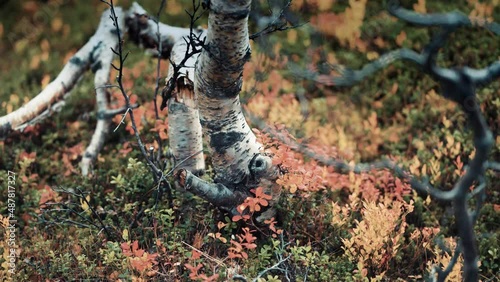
[{"x": 96, "y": 55}]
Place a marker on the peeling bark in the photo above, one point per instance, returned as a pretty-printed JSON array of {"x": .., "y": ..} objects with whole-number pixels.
[{"x": 185, "y": 135}]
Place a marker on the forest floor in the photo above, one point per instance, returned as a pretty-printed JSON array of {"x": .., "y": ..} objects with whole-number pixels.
[{"x": 330, "y": 226}]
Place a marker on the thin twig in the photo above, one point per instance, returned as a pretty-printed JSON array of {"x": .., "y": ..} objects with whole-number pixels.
[
  {"x": 457, "y": 85},
  {"x": 217, "y": 261},
  {"x": 157, "y": 86},
  {"x": 121, "y": 60}
]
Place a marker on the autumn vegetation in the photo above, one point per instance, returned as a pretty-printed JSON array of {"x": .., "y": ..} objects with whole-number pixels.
[{"x": 338, "y": 215}]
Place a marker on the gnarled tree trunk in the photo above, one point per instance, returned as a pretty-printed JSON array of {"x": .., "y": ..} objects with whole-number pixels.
[{"x": 236, "y": 156}]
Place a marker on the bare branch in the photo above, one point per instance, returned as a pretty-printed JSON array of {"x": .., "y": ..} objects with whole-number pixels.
[
  {"x": 107, "y": 114},
  {"x": 217, "y": 261},
  {"x": 276, "y": 266},
  {"x": 193, "y": 45},
  {"x": 448, "y": 20},
  {"x": 443, "y": 274},
  {"x": 343, "y": 167},
  {"x": 349, "y": 77},
  {"x": 121, "y": 59},
  {"x": 104, "y": 59},
  {"x": 458, "y": 85},
  {"x": 493, "y": 166},
  {"x": 484, "y": 76},
  {"x": 96, "y": 54},
  {"x": 184, "y": 128},
  {"x": 58, "y": 220},
  {"x": 214, "y": 193},
  {"x": 157, "y": 83}
]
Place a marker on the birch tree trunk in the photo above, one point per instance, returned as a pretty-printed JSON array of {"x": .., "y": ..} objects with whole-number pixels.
[
  {"x": 236, "y": 156},
  {"x": 184, "y": 128},
  {"x": 218, "y": 81}
]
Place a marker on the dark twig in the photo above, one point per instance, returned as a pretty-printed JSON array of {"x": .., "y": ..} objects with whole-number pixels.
[
  {"x": 101, "y": 226},
  {"x": 121, "y": 60},
  {"x": 62, "y": 220},
  {"x": 157, "y": 85},
  {"x": 443, "y": 274},
  {"x": 94, "y": 212},
  {"x": 458, "y": 85},
  {"x": 275, "y": 267},
  {"x": 113, "y": 112},
  {"x": 344, "y": 167},
  {"x": 446, "y": 20},
  {"x": 349, "y": 77}
]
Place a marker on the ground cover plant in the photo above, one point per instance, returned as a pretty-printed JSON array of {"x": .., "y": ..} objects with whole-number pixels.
[{"x": 104, "y": 190}]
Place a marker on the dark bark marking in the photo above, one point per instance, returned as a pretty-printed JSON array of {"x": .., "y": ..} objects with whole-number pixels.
[
  {"x": 248, "y": 54},
  {"x": 76, "y": 61},
  {"x": 97, "y": 65},
  {"x": 221, "y": 141},
  {"x": 89, "y": 155},
  {"x": 236, "y": 15},
  {"x": 205, "y": 4},
  {"x": 177, "y": 107}
]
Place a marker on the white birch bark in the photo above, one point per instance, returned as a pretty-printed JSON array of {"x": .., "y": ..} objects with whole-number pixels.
[
  {"x": 140, "y": 28},
  {"x": 184, "y": 128},
  {"x": 235, "y": 153},
  {"x": 143, "y": 31}
]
